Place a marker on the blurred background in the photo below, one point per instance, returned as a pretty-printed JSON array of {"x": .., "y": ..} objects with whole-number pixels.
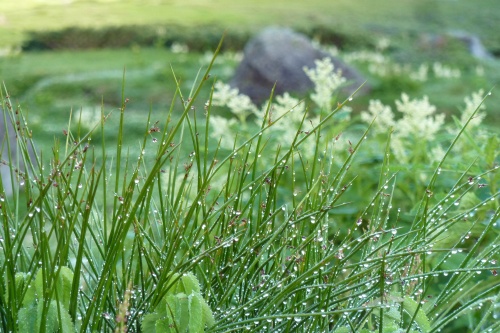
[{"x": 63, "y": 56}]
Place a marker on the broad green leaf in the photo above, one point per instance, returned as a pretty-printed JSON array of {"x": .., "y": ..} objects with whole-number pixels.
[
  {"x": 163, "y": 326},
  {"x": 468, "y": 201},
  {"x": 63, "y": 286},
  {"x": 38, "y": 284},
  {"x": 196, "y": 313},
  {"x": 27, "y": 318},
  {"x": 208, "y": 316},
  {"x": 149, "y": 322},
  {"x": 410, "y": 306},
  {"x": 51, "y": 322},
  {"x": 183, "y": 312},
  {"x": 21, "y": 281},
  {"x": 66, "y": 322},
  {"x": 190, "y": 284},
  {"x": 393, "y": 314},
  {"x": 174, "y": 289},
  {"x": 390, "y": 326},
  {"x": 491, "y": 150},
  {"x": 173, "y": 309}
]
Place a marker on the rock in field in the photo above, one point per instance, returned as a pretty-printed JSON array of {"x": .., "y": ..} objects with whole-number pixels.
[{"x": 278, "y": 55}]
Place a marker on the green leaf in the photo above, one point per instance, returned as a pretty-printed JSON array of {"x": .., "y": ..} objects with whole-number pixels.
[
  {"x": 390, "y": 326},
  {"x": 393, "y": 313},
  {"x": 63, "y": 286},
  {"x": 173, "y": 309},
  {"x": 38, "y": 284},
  {"x": 149, "y": 322},
  {"x": 208, "y": 316},
  {"x": 164, "y": 326},
  {"x": 410, "y": 306},
  {"x": 491, "y": 150},
  {"x": 469, "y": 200},
  {"x": 183, "y": 312},
  {"x": 51, "y": 322},
  {"x": 190, "y": 284},
  {"x": 66, "y": 322},
  {"x": 196, "y": 313},
  {"x": 161, "y": 308},
  {"x": 21, "y": 281},
  {"x": 27, "y": 318},
  {"x": 175, "y": 288}
]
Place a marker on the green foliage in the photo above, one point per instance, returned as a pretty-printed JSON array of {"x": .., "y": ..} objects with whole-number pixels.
[
  {"x": 198, "y": 38},
  {"x": 393, "y": 319},
  {"x": 297, "y": 220},
  {"x": 37, "y": 310},
  {"x": 182, "y": 309}
]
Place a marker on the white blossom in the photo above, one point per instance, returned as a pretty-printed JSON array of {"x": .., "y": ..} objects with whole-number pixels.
[
  {"x": 222, "y": 128},
  {"x": 442, "y": 71},
  {"x": 472, "y": 103},
  {"x": 240, "y": 105},
  {"x": 383, "y": 115},
  {"x": 88, "y": 117},
  {"x": 326, "y": 82},
  {"x": 418, "y": 119}
]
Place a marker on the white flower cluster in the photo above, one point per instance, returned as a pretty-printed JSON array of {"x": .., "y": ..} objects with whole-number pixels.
[
  {"x": 418, "y": 123},
  {"x": 88, "y": 117},
  {"x": 421, "y": 74},
  {"x": 326, "y": 82},
  {"x": 380, "y": 65},
  {"x": 223, "y": 129},
  {"x": 471, "y": 104},
  {"x": 445, "y": 72},
  {"x": 239, "y": 104},
  {"x": 179, "y": 48},
  {"x": 383, "y": 43},
  {"x": 294, "y": 111},
  {"x": 384, "y": 118},
  {"x": 285, "y": 112},
  {"x": 418, "y": 119}
]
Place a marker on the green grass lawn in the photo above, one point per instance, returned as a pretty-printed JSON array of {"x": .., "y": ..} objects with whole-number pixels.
[{"x": 387, "y": 16}]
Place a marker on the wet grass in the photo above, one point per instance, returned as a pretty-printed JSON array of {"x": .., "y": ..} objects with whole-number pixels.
[{"x": 102, "y": 234}]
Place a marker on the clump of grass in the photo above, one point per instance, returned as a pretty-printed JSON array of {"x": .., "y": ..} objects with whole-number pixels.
[{"x": 260, "y": 226}]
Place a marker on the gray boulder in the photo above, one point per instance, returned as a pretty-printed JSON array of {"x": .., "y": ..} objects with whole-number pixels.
[
  {"x": 473, "y": 43},
  {"x": 441, "y": 43},
  {"x": 278, "y": 55}
]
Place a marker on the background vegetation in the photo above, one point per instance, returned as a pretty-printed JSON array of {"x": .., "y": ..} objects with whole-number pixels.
[{"x": 134, "y": 209}]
